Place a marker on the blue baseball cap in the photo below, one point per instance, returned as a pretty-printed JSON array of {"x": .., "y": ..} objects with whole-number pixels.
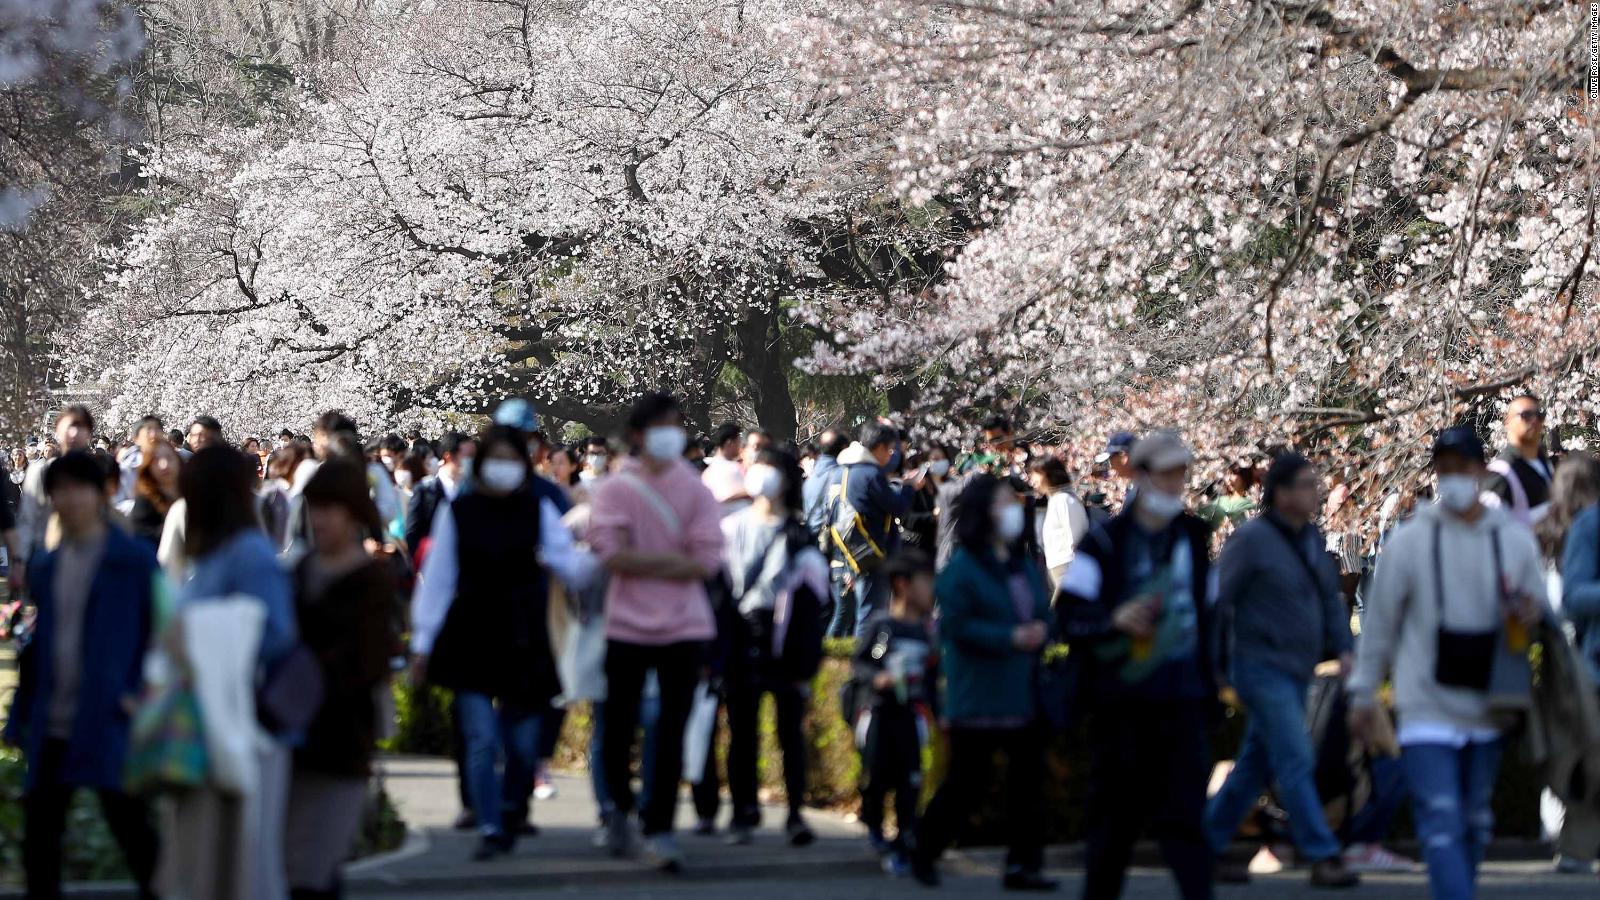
[
  {"x": 518, "y": 414},
  {"x": 1121, "y": 442}
]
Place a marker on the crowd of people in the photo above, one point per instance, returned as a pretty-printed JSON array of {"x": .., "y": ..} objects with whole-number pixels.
[{"x": 212, "y": 629}]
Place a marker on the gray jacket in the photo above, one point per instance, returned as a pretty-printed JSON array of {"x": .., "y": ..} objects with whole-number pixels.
[
  {"x": 1274, "y": 613},
  {"x": 1401, "y": 633}
]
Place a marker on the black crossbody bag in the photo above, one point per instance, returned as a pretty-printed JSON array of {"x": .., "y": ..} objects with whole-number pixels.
[{"x": 1465, "y": 659}]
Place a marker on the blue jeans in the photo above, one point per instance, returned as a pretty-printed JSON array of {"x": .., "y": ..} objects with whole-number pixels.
[
  {"x": 649, "y": 712},
  {"x": 871, "y": 595},
  {"x": 1450, "y": 792},
  {"x": 1370, "y": 824},
  {"x": 1276, "y": 746},
  {"x": 486, "y": 732},
  {"x": 843, "y": 620}
]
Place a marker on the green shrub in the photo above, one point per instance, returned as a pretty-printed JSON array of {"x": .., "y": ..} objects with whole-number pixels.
[
  {"x": 834, "y": 768},
  {"x": 90, "y": 853}
]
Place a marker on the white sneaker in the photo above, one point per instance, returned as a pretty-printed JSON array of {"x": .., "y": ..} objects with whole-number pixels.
[
  {"x": 664, "y": 853},
  {"x": 1375, "y": 858},
  {"x": 545, "y": 790},
  {"x": 1265, "y": 862}
]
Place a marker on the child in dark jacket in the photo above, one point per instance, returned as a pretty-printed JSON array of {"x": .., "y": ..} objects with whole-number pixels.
[{"x": 895, "y": 684}]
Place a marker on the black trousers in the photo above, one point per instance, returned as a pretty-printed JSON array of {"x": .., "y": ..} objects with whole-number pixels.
[
  {"x": 892, "y": 761},
  {"x": 744, "y": 692},
  {"x": 45, "y": 811},
  {"x": 677, "y": 668},
  {"x": 971, "y": 771},
  {"x": 1150, "y": 764}
]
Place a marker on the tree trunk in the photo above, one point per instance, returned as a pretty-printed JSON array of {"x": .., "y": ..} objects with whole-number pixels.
[{"x": 763, "y": 360}]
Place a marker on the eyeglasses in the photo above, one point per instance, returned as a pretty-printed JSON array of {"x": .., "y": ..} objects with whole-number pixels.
[{"x": 1531, "y": 415}]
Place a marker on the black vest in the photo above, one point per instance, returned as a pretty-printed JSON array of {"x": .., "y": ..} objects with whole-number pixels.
[{"x": 496, "y": 638}]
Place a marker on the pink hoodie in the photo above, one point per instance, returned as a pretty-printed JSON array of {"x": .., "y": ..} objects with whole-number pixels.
[{"x": 656, "y": 611}]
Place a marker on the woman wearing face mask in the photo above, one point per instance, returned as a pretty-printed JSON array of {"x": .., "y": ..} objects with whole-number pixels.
[
  {"x": 778, "y": 583},
  {"x": 995, "y": 621},
  {"x": 920, "y": 525},
  {"x": 408, "y": 473},
  {"x": 479, "y": 622},
  {"x": 658, "y": 530}
]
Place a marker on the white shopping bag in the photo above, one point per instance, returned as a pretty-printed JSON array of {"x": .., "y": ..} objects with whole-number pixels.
[
  {"x": 582, "y": 665},
  {"x": 697, "y": 733}
]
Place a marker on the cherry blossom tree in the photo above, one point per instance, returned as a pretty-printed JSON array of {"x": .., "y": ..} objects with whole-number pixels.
[
  {"x": 64, "y": 86},
  {"x": 567, "y": 201},
  {"x": 1259, "y": 221}
]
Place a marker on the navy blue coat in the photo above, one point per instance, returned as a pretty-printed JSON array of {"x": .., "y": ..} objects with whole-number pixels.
[{"x": 116, "y": 632}]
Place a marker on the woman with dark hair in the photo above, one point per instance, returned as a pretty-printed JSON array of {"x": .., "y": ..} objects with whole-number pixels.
[
  {"x": 921, "y": 523},
  {"x": 224, "y": 845},
  {"x": 155, "y": 490},
  {"x": 409, "y": 472},
  {"x": 479, "y": 623},
  {"x": 995, "y": 621},
  {"x": 1064, "y": 522},
  {"x": 1235, "y": 503},
  {"x": 342, "y": 601},
  {"x": 778, "y": 583}
]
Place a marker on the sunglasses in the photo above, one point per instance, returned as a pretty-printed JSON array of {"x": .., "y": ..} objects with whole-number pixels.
[{"x": 1531, "y": 415}]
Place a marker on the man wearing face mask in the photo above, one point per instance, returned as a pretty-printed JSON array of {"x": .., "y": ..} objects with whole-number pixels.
[
  {"x": 596, "y": 460},
  {"x": 1457, "y": 592},
  {"x": 1135, "y": 605},
  {"x": 658, "y": 531}
]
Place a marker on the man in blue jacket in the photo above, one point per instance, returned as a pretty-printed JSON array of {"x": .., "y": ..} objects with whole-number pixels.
[
  {"x": 79, "y": 672},
  {"x": 814, "y": 493},
  {"x": 865, "y": 488}
]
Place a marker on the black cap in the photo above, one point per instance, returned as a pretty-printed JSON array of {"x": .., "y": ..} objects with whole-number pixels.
[{"x": 1462, "y": 440}]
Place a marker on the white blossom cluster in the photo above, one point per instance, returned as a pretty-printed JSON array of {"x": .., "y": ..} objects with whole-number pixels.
[
  {"x": 565, "y": 200},
  {"x": 1342, "y": 225}
]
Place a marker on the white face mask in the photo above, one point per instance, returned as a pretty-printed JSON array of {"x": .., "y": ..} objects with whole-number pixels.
[
  {"x": 763, "y": 481},
  {"x": 503, "y": 475},
  {"x": 403, "y": 479},
  {"x": 597, "y": 462},
  {"x": 433, "y": 465},
  {"x": 939, "y": 467},
  {"x": 1160, "y": 504},
  {"x": 665, "y": 442},
  {"x": 1009, "y": 521},
  {"x": 1458, "y": 493}
]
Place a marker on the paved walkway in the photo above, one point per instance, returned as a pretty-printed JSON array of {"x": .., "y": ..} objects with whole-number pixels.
[{"x": 437, "y": 858}]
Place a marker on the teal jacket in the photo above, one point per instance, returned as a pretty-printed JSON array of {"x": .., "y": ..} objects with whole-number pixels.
[{"x": 987, "y": 679}]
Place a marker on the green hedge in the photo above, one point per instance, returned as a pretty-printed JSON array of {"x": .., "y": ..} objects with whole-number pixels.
[
  {"x": 90, "y": 853},
  {"x": 835, "y": 768}
]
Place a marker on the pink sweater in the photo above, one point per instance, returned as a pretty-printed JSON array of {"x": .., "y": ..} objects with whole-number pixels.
[{"x": 656, "y": 611}]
